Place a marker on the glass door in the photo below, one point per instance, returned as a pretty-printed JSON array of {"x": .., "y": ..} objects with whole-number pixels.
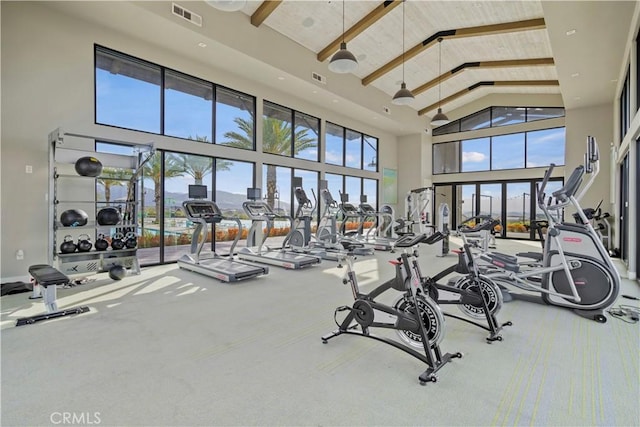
[
  {"x": 181, "y": 171},
  {"x": 466, "y": 207},
  {"x": 518, "y": 211},
  {"x": 443, "y": 194},
  {"x": 489, "y": 202},
  {"x": 232, "y": 180}
]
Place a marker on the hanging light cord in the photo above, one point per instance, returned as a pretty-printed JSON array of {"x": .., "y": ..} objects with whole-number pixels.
[
  {"x": 403, "y": 41},
  {"x": 343, "y": 21},
  {"x": 439, "y": 71}
]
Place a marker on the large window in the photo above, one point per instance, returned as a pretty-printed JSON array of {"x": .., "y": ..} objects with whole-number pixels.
[
  {"x": 504, "y": 116},
  {"x": 278, "y": 138},
  {"x": 479, "y": 120},
  {"x": 276, "y": 188},
  {"x": 625, "y": 105},
  {"x": 499, "y": 116},
  {"x": 350, "y": 148},
  {"x": 307, "y": 137},
  {"x": 510, "y": 151},
  {"x": 128, "y": 92},
  {"x": 545, "y": 147},
  {"x": 180, "y": 171},
  {"x": 234, "y": 123},
  {"x": 507, "y": 151},
  {"x": 132, "y": 93},
  {"x": 334, "y": 137},
  {"x": 310, "y": 186},
  {"x": 353, "y": 149},
  {"x": 138, "y": 95},
  {"x": 370, "y": 153},
  {"x": 232, "y": 180},
  {"x": 276, "y": 129},
  {"x": 188, "y": 107},
  {"x": 475, "y": 155},
  {"x": 446, "y": 157}
]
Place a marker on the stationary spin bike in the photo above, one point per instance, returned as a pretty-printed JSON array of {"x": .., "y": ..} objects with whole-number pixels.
[
  {"x": 475, "y": 295},
  {"x": 418, "y": 321}
]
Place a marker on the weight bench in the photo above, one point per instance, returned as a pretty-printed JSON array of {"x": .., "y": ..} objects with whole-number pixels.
[{"x": 49, "y": 278}]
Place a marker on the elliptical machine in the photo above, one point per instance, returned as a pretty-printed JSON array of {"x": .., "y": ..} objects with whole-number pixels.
[
  {"x": 327, "y": 235},
  {"x": 417, "y": 318},
  {"x": 576, "y": 271}
]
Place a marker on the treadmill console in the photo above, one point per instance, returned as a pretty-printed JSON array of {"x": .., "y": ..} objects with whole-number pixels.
[
  {"x": 367, "y": 208},
  {"x": 349, "y": 209},
  {"x": 200, "y": 209}
]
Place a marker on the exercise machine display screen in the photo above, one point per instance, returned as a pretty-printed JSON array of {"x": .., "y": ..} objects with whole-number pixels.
[
  {"x": 258, "y": 209},
  {"x": 200, "y": 210},
  {"x": 197, "y": 191}
]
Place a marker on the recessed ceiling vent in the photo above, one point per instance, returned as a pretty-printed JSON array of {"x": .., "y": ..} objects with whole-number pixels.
[
  {"x": 318, "y": 78},
  {"x": 194, "y": 18}
]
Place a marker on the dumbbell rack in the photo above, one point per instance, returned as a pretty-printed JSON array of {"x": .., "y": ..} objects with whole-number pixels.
[{"x": 69, "y": 190}]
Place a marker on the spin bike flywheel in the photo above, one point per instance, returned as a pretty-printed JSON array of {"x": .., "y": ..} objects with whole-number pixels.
[
  {"x": 490, "y": 291},
  {"x": 431, "y": 316}
]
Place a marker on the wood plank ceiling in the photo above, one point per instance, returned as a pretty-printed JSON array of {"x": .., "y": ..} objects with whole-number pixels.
[{"x": 487, "y": 46}]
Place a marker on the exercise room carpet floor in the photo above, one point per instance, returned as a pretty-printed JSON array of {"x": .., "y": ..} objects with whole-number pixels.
[{"x": 173, "y": 348}]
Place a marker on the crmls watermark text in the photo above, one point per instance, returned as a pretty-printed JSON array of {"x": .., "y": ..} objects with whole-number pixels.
[{"x": 75, "y": 418}]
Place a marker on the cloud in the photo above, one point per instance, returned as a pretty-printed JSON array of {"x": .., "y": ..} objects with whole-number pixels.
[
  {"x": 333, "y": 157},
  {"x": 473, "y": 157}
]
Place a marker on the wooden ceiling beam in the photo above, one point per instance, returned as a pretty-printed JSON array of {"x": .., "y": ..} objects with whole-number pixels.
[
  {"x": 480, "y": 84},
  {"x": 483, "y": 30},
  {"x": 482, "y": 64},
  {"x": 372, "y": 17},
  {"x": 263, "y": 11}
]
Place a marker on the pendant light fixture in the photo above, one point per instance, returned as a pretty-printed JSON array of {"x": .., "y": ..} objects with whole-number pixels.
[
  {"x": 440, "y": 118},
  {"x": 227, "y": 5},
  {"x": 343, "y": 61},
  {"x": 404, "y": 95}
]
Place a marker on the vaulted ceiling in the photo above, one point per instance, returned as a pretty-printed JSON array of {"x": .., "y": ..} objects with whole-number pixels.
[
  {"x": 568, "y": 49},
  {"x": 497, "y": 43}
]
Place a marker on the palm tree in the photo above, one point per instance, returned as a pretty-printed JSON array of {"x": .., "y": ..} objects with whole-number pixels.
[
  {"x": 276, "y": 140},
  {"x": 153, "y": 170},
  {"x": 113, "y": 177},
  {"x": 221, "y": 165},
  {"x": 195, "y": 166}
]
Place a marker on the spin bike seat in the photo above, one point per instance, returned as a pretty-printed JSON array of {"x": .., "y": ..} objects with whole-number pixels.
[{"x": 504, "y": 261}]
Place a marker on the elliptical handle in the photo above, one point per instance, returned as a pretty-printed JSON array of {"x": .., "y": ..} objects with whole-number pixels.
[{"x": 545, "y": 180}]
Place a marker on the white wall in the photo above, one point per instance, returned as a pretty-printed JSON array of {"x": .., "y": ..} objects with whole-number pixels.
[
  {"x": 581, "y": 123},
  {"x": 48, "y": 81}
]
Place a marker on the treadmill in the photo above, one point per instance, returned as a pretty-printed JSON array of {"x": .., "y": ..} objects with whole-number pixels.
[
  {"x": 260, "y": 212},
  {"x": 226, "y": 269}
]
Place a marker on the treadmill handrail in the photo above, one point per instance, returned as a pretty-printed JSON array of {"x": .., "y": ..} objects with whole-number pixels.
[
  {"x": 204, "y": 228},
  {"x": 268, "y": 216}
]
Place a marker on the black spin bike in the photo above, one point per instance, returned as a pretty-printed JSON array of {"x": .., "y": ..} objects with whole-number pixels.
[
  {"x": 417, "y": 320},
  {"x": 475, "y": 295}
]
